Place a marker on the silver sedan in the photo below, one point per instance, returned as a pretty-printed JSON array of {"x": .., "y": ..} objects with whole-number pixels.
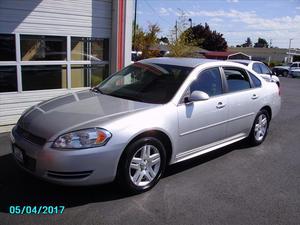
[{"x": 151, "y": 114}]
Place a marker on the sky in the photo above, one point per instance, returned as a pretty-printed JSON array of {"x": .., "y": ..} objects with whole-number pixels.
[{"x": 277, "y": 21}]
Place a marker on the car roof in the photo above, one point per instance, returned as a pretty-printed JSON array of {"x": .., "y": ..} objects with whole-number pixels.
[{"x": 187, "y": 62}]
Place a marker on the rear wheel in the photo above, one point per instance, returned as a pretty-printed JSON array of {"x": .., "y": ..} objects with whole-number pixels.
[
  {"x": 260, "y": 128},
  {"x": 142, "y": 165}
]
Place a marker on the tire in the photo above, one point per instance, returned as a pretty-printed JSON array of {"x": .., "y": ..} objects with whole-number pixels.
[
  {"x": 254, "y": 137},
  {"x": 142, "y": 173}
]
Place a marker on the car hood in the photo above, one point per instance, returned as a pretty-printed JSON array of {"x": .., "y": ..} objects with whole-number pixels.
[{"x": 70, "y": 112}]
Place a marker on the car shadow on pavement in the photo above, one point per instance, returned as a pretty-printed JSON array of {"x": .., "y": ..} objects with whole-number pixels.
[
  {"x": 185, "y": 165},
  {"x": 20, "y": 188}
]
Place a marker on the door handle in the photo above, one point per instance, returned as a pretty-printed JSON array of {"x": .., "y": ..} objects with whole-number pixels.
[
  {"x": 220, "y": 105},
  {"x": 254, "y": 96}
]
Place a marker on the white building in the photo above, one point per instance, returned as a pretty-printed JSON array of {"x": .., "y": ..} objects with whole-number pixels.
[{"x": 52, "y": 47}]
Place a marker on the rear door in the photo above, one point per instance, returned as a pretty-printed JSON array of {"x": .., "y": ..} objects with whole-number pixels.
[{"x": 242, "y": 101}]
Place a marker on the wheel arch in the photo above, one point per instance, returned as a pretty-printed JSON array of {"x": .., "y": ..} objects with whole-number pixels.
[
  {"x": 268, "y": 109},
  {"x": 160, "y": 135}
]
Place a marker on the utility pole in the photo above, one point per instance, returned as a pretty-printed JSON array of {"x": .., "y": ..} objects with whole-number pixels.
[
  {"x": 134, "y": 25},
  {"x": 270, "y": 43},
  {"x": 191, "y": 22},
  {"x": 290, "y": 50},
  {"x": 176, "y": 28}
]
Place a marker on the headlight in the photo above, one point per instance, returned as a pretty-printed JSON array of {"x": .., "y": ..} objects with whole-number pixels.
[{"x": 87, "y": 138}]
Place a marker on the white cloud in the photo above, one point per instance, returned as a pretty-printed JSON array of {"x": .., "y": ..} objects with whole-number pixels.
[
  {"x": 216, "y": 20},
  {"x": 164, "y": 12},
  {"x": 232, "y": 1},
  {"x": 249, "y": 24}
]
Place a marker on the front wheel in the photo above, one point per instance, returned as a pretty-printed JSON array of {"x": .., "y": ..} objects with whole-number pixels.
[
  {"x": 259, "y": 129},
  {"x": 142, "y": 165}
]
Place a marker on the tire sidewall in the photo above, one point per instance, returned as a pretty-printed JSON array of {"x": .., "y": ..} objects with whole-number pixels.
[{"x": 126, "y": 160}]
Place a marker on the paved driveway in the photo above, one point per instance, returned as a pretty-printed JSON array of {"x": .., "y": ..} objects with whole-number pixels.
[{"x": 233, "y": 185}]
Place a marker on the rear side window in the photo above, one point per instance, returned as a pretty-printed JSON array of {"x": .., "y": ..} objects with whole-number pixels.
[
  {"x": 256, "y": 68},
  {"x": 208, "y": 81},
  {"x": 237, "y": 79},
  {"x": 256, "y": 82}
]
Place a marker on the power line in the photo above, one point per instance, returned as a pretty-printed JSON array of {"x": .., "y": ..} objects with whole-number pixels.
[{"x": 157, "y": 13}]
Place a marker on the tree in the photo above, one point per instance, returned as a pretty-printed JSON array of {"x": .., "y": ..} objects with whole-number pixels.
[
  {"x": 248, "y": 43},
  {"x": 261, "y": 43},
  {"x": 178, "y": 45},
  {"x": 204, "y": 37},
  {"x": 146, "y": 40}
]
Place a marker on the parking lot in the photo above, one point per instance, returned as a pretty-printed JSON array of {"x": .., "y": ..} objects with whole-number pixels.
[{"x": 233, "y": 185}]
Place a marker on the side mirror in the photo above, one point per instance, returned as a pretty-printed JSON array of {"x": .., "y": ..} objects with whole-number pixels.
[{"x": 197, "y": 96}]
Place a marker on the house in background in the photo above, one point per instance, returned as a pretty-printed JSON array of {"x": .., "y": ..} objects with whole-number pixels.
[
  {"x": 224, "y": 55},
  {"x": 49, "y": 48}
]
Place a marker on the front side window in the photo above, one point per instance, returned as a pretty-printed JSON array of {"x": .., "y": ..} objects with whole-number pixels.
[
  {"x": 237, "y": 79},
  {"x": 257, "y": 68},
  {"x": 209, "y": 81},
  {"x": 256, "y": 82},
  {"x": 264, "y": 69},
  {"x": 7, "y": 47},
  {"x": 294, "y": 65},
  {"x": 151, "y": 83},
  {"x": 38, "y": 47}
]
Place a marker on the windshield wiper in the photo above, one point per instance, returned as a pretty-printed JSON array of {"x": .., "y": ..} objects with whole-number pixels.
[{"x": 96, "y": 89}]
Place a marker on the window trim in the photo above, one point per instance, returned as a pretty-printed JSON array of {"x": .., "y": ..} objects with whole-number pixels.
[
  {"x": 181, "y": 101},
  {"x": 224, "y": 76}
]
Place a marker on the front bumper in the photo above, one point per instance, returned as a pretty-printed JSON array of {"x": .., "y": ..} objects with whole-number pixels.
[{"x": 68, "y": 167}]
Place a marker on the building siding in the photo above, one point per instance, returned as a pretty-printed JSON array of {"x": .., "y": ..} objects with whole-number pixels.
[{"x": 91, "y": 18}]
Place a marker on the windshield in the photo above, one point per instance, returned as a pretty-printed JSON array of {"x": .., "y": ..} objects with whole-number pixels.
[{"x": 151, "y": 83}]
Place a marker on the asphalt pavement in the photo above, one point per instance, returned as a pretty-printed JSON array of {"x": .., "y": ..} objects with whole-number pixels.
[{"x": 233, "y": 185}]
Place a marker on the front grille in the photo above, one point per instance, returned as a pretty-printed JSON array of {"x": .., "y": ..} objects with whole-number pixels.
[
  {"x": 29, "y": 136},
  {"x": 69, "y": 175}
]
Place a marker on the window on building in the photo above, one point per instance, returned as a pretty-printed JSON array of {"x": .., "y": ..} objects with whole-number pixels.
[
  {"x": 87, "y": 75},
  {"x": 7, "y": 47},
  {"x": 44, "y": 77},
  {"x": 36, "y": 47},
  {"x": 8, "y": 79},
  {"x": 88, "y": 63},
  {"x": 94, "y": 49},
  {"x": 237, "y": 79}
]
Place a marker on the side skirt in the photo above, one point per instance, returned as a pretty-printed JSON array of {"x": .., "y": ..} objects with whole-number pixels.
[{"x": 208, "y": 148}]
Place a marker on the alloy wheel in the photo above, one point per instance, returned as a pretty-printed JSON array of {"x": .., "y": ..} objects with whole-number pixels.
[
  {"x": 144, "y": 165},
  {"x": 261, "y": 127}
]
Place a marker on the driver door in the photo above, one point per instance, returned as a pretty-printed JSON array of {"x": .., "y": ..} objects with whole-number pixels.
[{"x": 203, "y": 123}]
